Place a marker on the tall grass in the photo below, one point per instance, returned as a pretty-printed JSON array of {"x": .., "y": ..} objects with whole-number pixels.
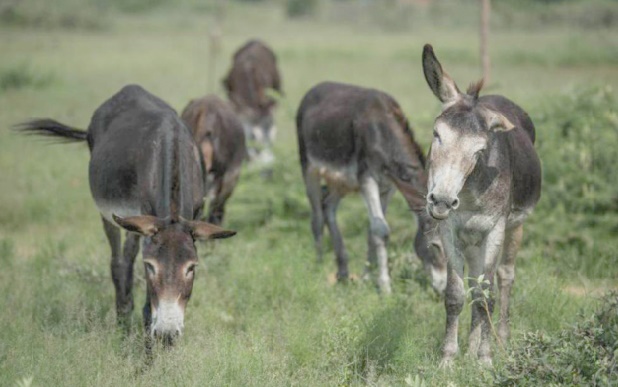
[{"x": 263, "y": 311}]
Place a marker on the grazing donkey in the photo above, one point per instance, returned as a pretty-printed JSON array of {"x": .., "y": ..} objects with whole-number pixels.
[
  {"x": 358, "y": 139},
  {"x": 254, "y": 71},
  {"x": 146, "y": 177},
  {"x": 484, "y": 181},
  {"x": 219, "y": 135}
]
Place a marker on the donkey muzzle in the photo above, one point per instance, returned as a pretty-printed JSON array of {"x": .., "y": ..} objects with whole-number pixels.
[{"x": 439, "y": 207}]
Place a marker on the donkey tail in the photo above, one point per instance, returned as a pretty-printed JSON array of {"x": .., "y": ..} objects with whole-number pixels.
[{"x": 51, "y": 128}]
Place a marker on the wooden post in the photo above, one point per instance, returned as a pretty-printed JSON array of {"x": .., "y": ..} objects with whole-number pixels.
[
  {"x": 485, "y": 10},
  {"x": 215, "y": 37},
  {"x": 214, "y": 47}
]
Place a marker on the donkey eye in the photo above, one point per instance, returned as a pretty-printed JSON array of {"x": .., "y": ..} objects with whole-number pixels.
[
  {"x": 191, "y": 269},
  {"x": 436, "y": 136},
  {"x": 150, "y": 269}
]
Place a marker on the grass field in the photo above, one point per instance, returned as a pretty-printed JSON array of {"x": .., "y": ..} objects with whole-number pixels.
[{"x": 263, "y": 312}]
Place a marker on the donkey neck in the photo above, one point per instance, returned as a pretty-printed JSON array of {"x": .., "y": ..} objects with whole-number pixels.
[
  {"x": 174, "y": 198},
  {"x": 488, "y": 185}
]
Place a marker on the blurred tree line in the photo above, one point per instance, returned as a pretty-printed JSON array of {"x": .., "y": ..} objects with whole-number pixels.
[{"x": 386, "y": 14}]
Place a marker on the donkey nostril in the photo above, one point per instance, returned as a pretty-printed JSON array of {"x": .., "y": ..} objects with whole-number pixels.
[
  {"x": 432, "y": 198},
  {"x": 455, "y": 204}
]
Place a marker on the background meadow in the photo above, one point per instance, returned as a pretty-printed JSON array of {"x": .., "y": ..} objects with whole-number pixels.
[{"x": 263, "y": 312}]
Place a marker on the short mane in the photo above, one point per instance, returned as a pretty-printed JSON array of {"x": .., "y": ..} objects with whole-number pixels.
[{"x": 475, "y": 88}]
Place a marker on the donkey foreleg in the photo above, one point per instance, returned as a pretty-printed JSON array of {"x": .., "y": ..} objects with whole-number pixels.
[
  {"x": 489, "y": 253},
  {"x": 454, "y": 296},
  {"x": 122, "y": 270}
]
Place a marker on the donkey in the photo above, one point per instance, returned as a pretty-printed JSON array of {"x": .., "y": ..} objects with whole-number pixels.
[
  {"x": 254, "y": 71},
  {"x": 358, "y": 139},
  {"x": 145, "y": 177},
  {"x": 484, "y": 180},
  {"x": 220, "y": 136}
]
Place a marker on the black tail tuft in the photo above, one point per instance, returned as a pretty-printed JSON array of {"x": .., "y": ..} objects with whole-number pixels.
[{"x": 50, "y": 128}]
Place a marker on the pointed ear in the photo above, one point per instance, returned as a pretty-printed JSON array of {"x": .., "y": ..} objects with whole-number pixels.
[
  {"x": 145, "y": 225},
  {"x": 496, "y": 122},
  {"x": 438, "y": 80},
  {"x": 204, "y": 231}
]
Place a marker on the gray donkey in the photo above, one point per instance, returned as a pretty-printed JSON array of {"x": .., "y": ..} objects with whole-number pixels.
[
  {"x": 484, "y": 180},
  {"x": 357, "y": 139},
  {"x": 146, "y": 177}
]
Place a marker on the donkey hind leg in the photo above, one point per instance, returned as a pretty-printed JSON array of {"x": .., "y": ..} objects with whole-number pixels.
[
  {"x": 122, "y": 270},
  {"x": 331, "y": 203},
  {"x": 378, "y": 231},
  {"x": 506, "y": 277},
  {"x": 314, "y": 194}
]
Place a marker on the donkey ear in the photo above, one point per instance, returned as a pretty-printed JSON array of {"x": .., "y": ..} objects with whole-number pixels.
[
  {"x": 145, "y": 225},
  {"x": 204, "y": 231},
  {"x": 438, "y": 80},
  {"x": 496, "y": 122}
]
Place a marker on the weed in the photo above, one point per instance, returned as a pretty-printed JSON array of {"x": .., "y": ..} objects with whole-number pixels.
[{"x": 582, "y": 354}]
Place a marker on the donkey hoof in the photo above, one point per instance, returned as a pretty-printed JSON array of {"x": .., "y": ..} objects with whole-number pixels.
[{"x": 446, "y": 363}]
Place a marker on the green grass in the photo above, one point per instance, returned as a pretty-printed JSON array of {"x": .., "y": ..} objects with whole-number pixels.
[{"x": 263, "y": 311}]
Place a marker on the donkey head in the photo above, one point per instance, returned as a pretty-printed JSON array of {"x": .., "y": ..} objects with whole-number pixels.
[
  {"x": 170, "y": 259},
  {"x": 461, "y": 136}
]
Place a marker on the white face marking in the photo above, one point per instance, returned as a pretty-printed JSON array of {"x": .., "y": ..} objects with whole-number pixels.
[
  {"x": 168, "y": 318},
  {"x": 257, "y": 134}
]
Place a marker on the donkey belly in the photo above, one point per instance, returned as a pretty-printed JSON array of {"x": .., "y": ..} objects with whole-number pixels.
[
  {"x": 114, "y": 188},
  {"x": 339, "y": 178}
]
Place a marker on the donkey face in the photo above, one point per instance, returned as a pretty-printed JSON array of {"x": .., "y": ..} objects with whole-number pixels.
[
  {"x": 170, "y": 259},
  {"x": 461, "y": 135}
]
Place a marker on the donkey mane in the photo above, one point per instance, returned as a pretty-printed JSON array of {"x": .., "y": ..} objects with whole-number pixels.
[{"x": 475, "y": 88}]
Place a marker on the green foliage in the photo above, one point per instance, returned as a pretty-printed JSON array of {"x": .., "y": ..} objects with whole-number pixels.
[
  {"x": 65, "y": 14},
  {"x": 301, "y": 8},
  {"x": 583, "y": 354},
  {"x": 22, "y": 76},
  {"x": 579, "y": 132},
  {"x": 582, "y": 14}
]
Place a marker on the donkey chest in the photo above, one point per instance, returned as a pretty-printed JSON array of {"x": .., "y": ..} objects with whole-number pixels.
[{"x": 471, "y": 229}]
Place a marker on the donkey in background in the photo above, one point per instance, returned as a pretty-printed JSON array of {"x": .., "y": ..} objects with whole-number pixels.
[
  {"x": 219, "y": 135},
  {"x": 484, "y": 181},
  {"x": 146, "y": 177},
  {"x": 358, "y": 139},
  {"x": 253, "y": 74}
]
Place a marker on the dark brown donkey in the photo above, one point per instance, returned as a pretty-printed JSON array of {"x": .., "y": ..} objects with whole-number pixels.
[
  {"x": 358, "y": 139},
  {"x": 220, "y": 136},
  {"x": 253, "y": 73},
  {"x": 146, "y": 177},
  {"x": 484, "y": 180}
]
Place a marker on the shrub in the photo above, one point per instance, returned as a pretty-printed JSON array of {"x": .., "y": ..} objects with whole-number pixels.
[
  {"x": 301, "y": 8},
  {"x": 577, "y": 142},
  {"x": 584, "y": 354}
]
